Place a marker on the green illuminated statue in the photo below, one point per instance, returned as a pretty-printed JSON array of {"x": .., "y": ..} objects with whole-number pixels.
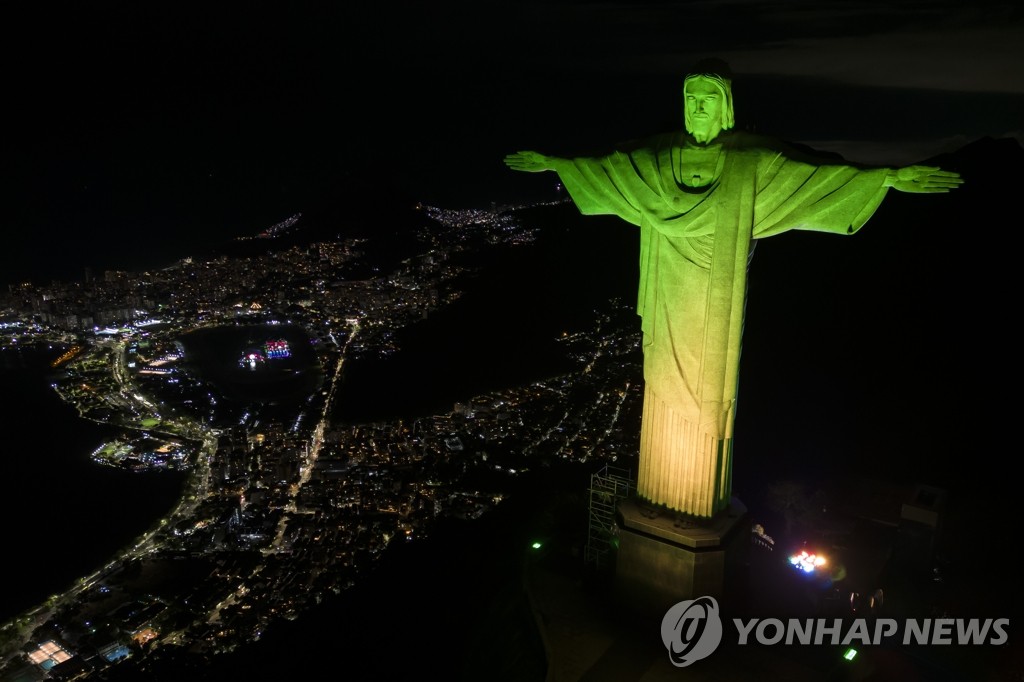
[{"x": 699, "y": 198}]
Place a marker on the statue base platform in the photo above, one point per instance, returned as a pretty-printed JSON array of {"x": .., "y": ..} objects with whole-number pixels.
[{"x": 663, "y": 559}]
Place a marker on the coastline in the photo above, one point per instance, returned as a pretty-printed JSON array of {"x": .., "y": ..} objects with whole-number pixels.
[
  {"x": 25, "y": 621},
  {"x": 87, "y": 512},
  {"x": 384, "y": 497},
  {"x": 17, "y": 629}
]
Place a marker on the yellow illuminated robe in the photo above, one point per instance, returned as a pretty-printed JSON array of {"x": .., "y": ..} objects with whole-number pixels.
[{"x": 694, "y": 249}]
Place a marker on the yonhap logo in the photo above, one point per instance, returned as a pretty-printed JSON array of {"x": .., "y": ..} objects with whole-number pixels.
[{"x": 691, "y": 630}]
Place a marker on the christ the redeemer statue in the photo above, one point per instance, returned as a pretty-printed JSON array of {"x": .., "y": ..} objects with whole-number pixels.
[{"x": 699, "y": 198}]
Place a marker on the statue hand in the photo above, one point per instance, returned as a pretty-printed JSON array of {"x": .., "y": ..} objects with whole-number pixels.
[
  {"x": 923, "y": 179},
  {"x": 530, "y": 162}
]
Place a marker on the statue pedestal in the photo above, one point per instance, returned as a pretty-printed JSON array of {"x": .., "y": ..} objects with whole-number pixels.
[{"x": 661, "y": 561}]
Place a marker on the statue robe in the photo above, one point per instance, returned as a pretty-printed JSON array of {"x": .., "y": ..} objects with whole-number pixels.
[{"x": 694, "y": 249}]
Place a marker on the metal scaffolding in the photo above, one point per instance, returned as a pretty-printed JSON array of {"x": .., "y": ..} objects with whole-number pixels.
[{"x": 607, "y": 487}]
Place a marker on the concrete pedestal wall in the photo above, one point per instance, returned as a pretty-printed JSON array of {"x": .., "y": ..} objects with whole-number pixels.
[{"x": 661, "y": 561}]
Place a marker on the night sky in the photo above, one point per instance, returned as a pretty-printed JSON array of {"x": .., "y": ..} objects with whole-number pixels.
[{"x": 137, "y": 134}]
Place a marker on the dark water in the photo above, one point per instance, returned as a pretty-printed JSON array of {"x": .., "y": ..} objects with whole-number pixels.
[
  {"x": 502, "y": 332},
  {"x": 214, "y": 352},
  {"x": 61, "y": 516}
]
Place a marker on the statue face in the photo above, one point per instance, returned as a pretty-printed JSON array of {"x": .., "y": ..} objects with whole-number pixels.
[{"x": 704, "y": 102}]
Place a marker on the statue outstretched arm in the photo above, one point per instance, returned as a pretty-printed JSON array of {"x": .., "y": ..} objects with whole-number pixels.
[
  {"x": 922, "y": 179},
  {"x": 530, "y": 162}
]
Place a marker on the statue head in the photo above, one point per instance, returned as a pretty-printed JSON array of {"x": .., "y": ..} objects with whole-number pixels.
[{"x": 707, "y": 99}]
